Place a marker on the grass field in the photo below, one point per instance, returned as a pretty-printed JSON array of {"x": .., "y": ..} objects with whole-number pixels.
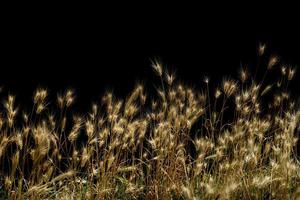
[{"x": 235, "y": 141}]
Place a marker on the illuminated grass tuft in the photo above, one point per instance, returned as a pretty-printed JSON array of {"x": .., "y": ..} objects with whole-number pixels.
[{"x": 236, "y": 141}]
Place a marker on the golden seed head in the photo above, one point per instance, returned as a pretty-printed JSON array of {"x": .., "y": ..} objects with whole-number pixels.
[
  {"x": 272, "y": 61},
  {"x": 261, "y": 49},
  {"x": 157, "y": 66},
  {"x": 243, "y": 75},
  {"x": 170, "y": 78},
  {"x": 290, "y": 73},
  {"x": 40, "y": 95},
  {"x": 229, "y": 87}
]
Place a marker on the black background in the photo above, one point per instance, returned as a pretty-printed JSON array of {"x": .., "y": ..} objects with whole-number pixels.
[{"x": 95, "y": 50}]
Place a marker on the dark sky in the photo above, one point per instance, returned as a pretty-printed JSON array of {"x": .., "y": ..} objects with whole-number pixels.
[{"x": 93, "y": 52}]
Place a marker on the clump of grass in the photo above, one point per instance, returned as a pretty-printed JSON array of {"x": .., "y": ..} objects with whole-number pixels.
[{"x": 236, "y": 141}]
